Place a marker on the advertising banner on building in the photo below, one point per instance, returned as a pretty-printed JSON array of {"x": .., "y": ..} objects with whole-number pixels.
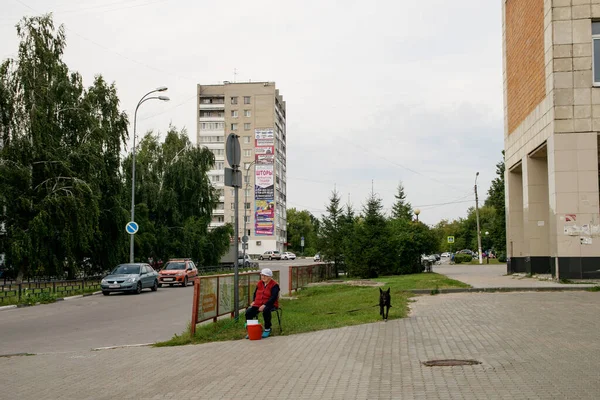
[
  {"x": 265, "y": 159},
  {"x": 264, "y": 133},
  {"x": 264, "y": 224},
  {"x": 264, "y": 150},
  {"x": 264, "y": 188}
]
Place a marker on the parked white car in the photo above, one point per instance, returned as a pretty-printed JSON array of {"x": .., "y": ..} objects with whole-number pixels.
[
  {"x": 288, "y": 256},
  {"x": 317, "y": 258}
]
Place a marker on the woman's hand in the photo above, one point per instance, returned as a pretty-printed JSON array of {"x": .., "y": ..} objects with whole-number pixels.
[{"x": 261, "y": 308}]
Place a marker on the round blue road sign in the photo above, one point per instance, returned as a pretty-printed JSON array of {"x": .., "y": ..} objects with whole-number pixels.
[{"x": 132, "y": 227}]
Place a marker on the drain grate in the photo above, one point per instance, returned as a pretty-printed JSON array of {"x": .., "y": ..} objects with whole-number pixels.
[{"x": 450, "y": 363}]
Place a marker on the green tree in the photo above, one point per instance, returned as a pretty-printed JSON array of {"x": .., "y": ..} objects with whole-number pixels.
[
  {"x": 496, "y": 200},
  {"x": 173, "y": 185},
  {"x": 371, "y": 253},
  {"x": 330, "y": 232},
  {"x": 300, "y": 224},
  {"x": 401, "y": 208},
  {"x": 59, "y": 159}
]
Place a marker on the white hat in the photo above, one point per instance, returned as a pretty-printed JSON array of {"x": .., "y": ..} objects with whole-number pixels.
[{"x": 266, "y": 272}]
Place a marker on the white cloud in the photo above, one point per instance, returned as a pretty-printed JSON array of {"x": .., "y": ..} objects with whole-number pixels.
[{"x": 377, "y": 91}]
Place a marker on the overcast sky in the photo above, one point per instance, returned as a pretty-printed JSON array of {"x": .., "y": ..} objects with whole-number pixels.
[{"x": 377, "y": 92}]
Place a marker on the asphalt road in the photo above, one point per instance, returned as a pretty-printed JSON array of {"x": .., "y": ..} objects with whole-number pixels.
[{"x": 101, "y": 321}]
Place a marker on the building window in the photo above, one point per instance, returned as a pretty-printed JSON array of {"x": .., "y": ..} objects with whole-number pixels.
[
  {"x": 234, "y": 113},
  {"x": 234, "y": 127},
  {"x": 247, "y": 152},
  {"x": 247, "y": 206},
  {"x": 233, "y": 219},
  {"x": 247, "y": 220},
  {"x": 246, "y": 179},
  {"x": 234, "y": 100},
  {"x": 247, "y": 113},
  {"x": 246, "y": 139},
  {"x": 596, "y": 52},
  {"x": 233, "y": 206},
  {"x": 212, "y": 126},
  {"x": 246, "y": 165},
  {"x": 247, "y": 192},
  {"x": 246, "y": 126},
  {"x": 246, "y": 99},
  {"x": 219, "y": 165}
]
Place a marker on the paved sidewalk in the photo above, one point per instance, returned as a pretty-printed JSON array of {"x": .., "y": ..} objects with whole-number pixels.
[
  {"x": 531, "y": 345},
  {"x": 494, "y": 276}
]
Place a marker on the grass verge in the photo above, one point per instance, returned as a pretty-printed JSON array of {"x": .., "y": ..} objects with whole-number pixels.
[
  {"x": 29, "y": 298},
  {"x": 325, "y": 307}
]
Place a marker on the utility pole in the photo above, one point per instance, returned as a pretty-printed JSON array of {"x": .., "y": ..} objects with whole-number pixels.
[
  {"x": 245, "y": 235},
  {"x": 478, "y": 229},
  {"x": 233, "y": 178}
]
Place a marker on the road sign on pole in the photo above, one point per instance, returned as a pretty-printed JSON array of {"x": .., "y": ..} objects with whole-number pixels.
[
  {"x": 233, "y": 150},
  {"x": 450, "y": 239},
  {"x": 132, "y": 227}
]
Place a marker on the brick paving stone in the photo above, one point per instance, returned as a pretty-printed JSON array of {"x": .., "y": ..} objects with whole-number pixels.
[{"x": 531, "y": 345}]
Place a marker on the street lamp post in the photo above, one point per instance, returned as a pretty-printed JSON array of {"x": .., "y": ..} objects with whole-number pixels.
[
  {"x": 487, "y": 255},
  {"x": 142, "y": 100},
  {"x": 245, "y": 244},
  {"x": 417, "y": 212},
  {"x": 478, "y": 229}
]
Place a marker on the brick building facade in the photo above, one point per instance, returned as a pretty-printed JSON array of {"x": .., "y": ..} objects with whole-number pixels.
[{"x": 551, "y": 74}]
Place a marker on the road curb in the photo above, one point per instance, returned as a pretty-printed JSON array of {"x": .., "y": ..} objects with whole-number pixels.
[
  {"x": 500, "y": 289},
  {"x": 124, "y": 346},
  {"x": 10, "y": 307}
]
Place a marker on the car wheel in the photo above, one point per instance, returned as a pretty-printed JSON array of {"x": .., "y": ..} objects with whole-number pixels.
[
  {"x": 260, "y": 258},
  {"x": 160, "y": 285},
  {"x": 105, "y": 293},
  {"x": 270, "y": 258},
  {"x": 185, "y": 282},
  {"x": 138, "y": 288},
  {"x": 155, "y": 286}
]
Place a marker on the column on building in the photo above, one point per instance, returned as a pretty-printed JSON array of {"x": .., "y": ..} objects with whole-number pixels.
[
  {"x": 514, "y": 219},
  {"x": 573, "y": 172},
  {"x": 536, "y": 211}
]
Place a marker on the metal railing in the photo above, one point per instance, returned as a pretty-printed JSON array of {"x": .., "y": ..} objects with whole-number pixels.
[
  {"x": 15, "y": 292},
  {"x": 214, "y": 295},
  {"x": 302, "y": 275}
]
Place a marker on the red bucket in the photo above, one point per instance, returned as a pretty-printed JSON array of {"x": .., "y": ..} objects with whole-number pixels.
[{"x": 254, "y": 332}]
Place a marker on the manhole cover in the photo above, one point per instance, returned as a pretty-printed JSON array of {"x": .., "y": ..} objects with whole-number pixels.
[{"x": 449, "y": 363}]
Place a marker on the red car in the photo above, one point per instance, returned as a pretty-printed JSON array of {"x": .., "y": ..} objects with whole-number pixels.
[{"x": 177, "y": 271}]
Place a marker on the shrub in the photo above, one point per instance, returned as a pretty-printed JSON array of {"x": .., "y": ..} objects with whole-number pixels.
[
  {"x": 462, "y": 258},
  {"x": 502, "y": 257}
]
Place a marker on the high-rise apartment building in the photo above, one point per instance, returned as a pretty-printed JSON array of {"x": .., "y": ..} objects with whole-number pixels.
[
  {"x": 256, "y": 112},
  {"x": 552, "y": 122}
]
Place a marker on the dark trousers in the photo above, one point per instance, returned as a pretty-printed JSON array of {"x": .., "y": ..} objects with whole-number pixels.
[{"x": 252, "y": 312}]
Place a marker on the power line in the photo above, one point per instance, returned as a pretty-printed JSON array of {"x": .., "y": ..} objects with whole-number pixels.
[{"x": 397, "y": 164}]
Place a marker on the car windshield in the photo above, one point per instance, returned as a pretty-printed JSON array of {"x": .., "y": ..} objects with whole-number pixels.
[
  {"x": 175, "y": 266},
  {"x": 126, "y": 269}
]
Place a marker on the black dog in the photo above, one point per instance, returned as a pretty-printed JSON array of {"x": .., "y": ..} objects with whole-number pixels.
[{"x": 385, "y": 300}]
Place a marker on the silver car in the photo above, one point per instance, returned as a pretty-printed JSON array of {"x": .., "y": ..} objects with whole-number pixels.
[{"x": 130, "y": 278}]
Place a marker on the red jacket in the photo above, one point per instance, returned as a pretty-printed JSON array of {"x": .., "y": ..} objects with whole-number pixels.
[{"x": 267, "y": 295}]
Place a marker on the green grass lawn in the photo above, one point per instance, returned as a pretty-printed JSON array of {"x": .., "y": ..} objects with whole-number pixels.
[{"x": 325, "y": 307}]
